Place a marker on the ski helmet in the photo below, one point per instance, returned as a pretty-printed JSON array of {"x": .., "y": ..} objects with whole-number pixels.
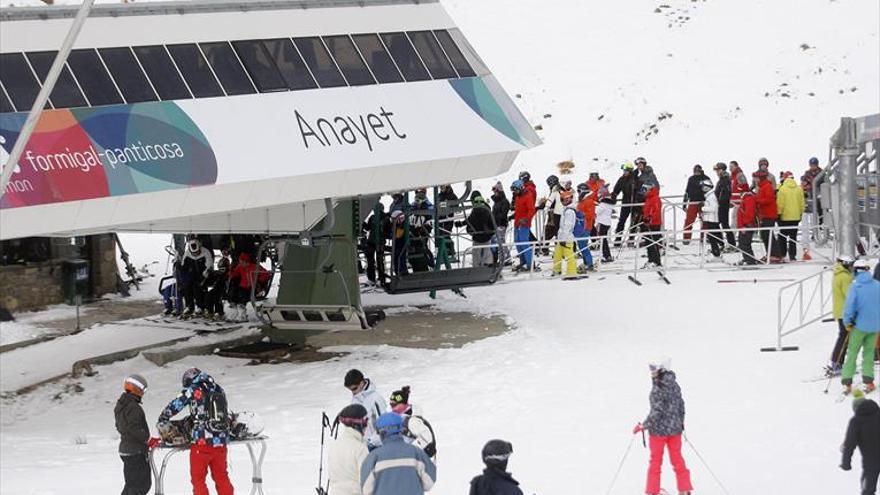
[
  {"x": 194, "y": 245},
  {"x": 389, "y": 424},
  {"x": 517, "y": 185},
  {"x": 861, "y": 265},
  {"x": 525, "y": 176},
  {"x": 552, "y": 181},
  {"x": 496, "y": 453},
  {"x": 498, "y": 187},
  {"x": 641, "y": 161},
  {"x": 846, "y": 260},
  {"x": 594, "y": 175},
  {"x": 627, "y": 167},
  {"x": 706, "y": 185},
  {"x": 400, "y": 396},
  {"x": 190, "y": 375},
  {"x": 763, "y": 162},
  {"x": 814, "y": 161},
  {"x": 698, "y": 168},
  {"x": 135, "y": 384},
  {"x": 720, "y": 166},
  {"x": 354, "y": 416}
]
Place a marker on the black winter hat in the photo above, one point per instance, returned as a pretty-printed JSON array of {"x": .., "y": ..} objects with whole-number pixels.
[
  {"x": 400, "y": 396},
  {"x": 496, "y": 452},
  {"x": 475, "y": 195},
  {"x": 353, "y": 377}
]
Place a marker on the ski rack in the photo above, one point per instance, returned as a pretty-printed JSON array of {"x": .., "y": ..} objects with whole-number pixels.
[{"x": 256, "y": 462}]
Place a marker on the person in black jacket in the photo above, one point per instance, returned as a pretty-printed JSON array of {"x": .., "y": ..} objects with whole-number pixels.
[
  {"x": 495, "y": 479},
  {"x": 377, "y": 228},
  {"x": 693, "y": 196},
  {"x": 134, "y": 437},
  {"x": 446, "y": 200},
  {"x": 501, "y": 213},
  {"x": 723, "y": 193},
  {"x": 481, "y": 226},
  {"x": 625, "y": 187},
  {"x": 864, "y": 432}
]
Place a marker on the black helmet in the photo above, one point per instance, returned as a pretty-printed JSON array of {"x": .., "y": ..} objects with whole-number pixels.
[
  {"x": 720, "y": 166},
  {"x": 353, "y": 415},
  {"x": 190, "y": 375},
  {"x": 552, "y": 181},
  {"x": 496, "y": 453},
  {"x": 582, "y": 188},
  {"x": 525, "y": 176}
]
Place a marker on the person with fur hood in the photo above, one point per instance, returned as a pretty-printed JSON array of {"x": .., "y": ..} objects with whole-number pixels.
[{"x": 665, "y": 425}]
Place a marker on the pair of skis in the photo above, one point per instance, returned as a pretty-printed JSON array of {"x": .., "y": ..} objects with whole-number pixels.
[{"x": 660, "y": 273}]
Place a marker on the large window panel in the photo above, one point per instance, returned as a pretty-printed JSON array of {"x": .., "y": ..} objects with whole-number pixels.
[
  {"x": 377, "y": 58},
  {"x": 228, "y": 69},
  {"x": 195, "y": 70},
  {"x": 293, "y": 69},
  {"x": 349, "y": 60},
  {"x": 260, "y": 66},
  {"x": 5, "y": 104},
  {"x": 66, "y": 93},
  {"x": 162, "y": 73},
  {"x": 129, "y": 77},
  {"x": 18, "y": 80},
  {"x": 432, "y": 54},
  {"x": 93, "y": 78},
  {"x": 319, "y": 61},
  {"x": 455, "y": 56},
  {"x": 405, "y": 56}
]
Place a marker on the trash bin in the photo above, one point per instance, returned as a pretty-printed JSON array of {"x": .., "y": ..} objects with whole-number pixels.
[{"x": 76, "y": 279}]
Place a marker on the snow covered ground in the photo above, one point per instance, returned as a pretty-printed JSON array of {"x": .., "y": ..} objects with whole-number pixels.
[{"x": 741, "y": 80}]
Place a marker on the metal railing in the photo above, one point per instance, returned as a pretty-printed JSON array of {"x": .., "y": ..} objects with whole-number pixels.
[{"x": 816, "y": 307}]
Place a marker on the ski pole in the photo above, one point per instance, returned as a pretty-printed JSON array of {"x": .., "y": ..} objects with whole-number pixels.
[
  {"x": 723, "y": 488},
  {"x": 620, "y": 466},
  {"x": 839, "y": 357},
  {"x": 644, "y": 444},
  {"x": 325, "y": 422}
]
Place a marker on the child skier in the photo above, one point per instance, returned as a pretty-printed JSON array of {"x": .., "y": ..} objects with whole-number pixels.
[
  {"x": 495, "y": 479},
  {"x": 416, "y": 429},
  {"x": 565, "y": 238},
  {"x": 586, "y": 215},
  {"x": 665, "y": 424}
]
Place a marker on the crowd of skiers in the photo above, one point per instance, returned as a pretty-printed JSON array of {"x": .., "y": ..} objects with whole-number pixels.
[
  {"x": 731, "y": 210},
  {"x": 200, "y": 285}
]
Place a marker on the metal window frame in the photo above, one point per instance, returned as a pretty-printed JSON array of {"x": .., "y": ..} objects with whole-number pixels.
[
  {"x": 387, "y": 52},
  {"x": 136, "y": 61},
  {"x": 36, "y": 78},
  {"x": 357, "y": 52},
  {"x": 179, "y": 73},
  {"x": 260, "y": 46},
  {"x": 431, "y": 31},
  {"x": 113, "y": 79},
  {"x": 69, "y": 71},
  {"x": 6, "y": 95},
  {"x": 309, "y": 69},
  {"x": 434, "y": 35},
  {"x": 210, "y": 68},
  {"x": 333, "y": 59},
  {"x": 434, "y": 32},
  {"x": 419, "y": 55},
  {"x": 240, "y": 64},
  {"x": 298, "y": 54}
]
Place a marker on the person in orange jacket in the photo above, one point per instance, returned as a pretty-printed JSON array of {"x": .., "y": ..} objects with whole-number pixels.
[
  {"x": 767, "y": 212},
  {"x": 652, "y": 218},
  {"x": 746, "y": 218}
]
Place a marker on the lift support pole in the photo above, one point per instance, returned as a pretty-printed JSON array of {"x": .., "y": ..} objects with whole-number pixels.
[{"x": 43, "y": 96}]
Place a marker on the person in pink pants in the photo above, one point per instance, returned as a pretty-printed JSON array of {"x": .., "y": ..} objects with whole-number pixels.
[{"x": 665, "y": 425}]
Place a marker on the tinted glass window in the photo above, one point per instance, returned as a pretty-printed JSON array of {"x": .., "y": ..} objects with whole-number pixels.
[
  {"x": 405, "y": 56},
  {"x": 128, "y": 74},
  {"x": 432, "y": 54},
  {"x": 260, "y": 66},
  {"x": 317, "y": 58},
  {"x": 162, "y": 73},
  {"x": 66, "y": 93},
  {"x": 195, "y": 70},
  {"x": 18, "y": 80},
  {"x": 377, "y": 58},
  {"x": 291, "y": 66},
  {"x": 93, "y": 78},
  {"x": 349, "y": 60},
  {"x": 228, "y": 69},
  {"x": 5, "y": 104},
  {"x": 458, "y": 61}
]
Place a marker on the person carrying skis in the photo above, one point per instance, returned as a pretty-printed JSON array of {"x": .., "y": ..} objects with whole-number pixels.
[
  {"x": 364, "y": 392},
  {"x": 495, "y": 479},
  {"x": 134, "y": 437},
  {"x": 724, "y": 193},
  {"x": 625, "y": 187},
  {"x": 767, "y": 213},
  {"x": 207, "y": 405},
  {"x": 397, "y": 467},
  {"x": 586, "y": 216},
  {"x": 652, "y": 219},
  {"x": 523, "y": 211},
  {"x": 416, "y": 429},
  {"x": 565, "y": 243},
  {"x": 500, "y": 212},
  {"x": 746, "y": 219},
  {"x": 348, "y": 451},
  {"x": 863, "y": 431},
  {"x": 861, "y": 315},
  {"x": 665, "y": 425},
  {"x": 840, "y": 284},
  {"x": 790, "y": 205},
  {"x": 709, "y": 212},
  {"x": 693, "y": 196}
]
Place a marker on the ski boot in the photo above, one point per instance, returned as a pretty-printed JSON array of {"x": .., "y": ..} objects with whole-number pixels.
[
  {"x": 607, "y": 260},
  {"x": 187, "y": 314},
  {"x": 832, "y": 370}
]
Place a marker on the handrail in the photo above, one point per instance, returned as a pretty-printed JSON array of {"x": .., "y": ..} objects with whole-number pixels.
[{"x": 782, "y": 317}]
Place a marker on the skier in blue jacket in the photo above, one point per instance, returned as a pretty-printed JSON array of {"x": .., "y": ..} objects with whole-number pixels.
[
  {"x": 861, "y": 316},
  {"x": 397, "y": 467}
]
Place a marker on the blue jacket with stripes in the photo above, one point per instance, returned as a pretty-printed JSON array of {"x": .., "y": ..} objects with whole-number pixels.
[{"x": 397, "y": 468}]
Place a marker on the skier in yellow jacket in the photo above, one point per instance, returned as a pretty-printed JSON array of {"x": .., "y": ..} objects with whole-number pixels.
[
  {"x": 790, "y": 204},
  {"x": 843, "y": 278}
]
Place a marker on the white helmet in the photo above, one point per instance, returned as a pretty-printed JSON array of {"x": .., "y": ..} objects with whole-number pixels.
[{"x": 861, "y": 265}]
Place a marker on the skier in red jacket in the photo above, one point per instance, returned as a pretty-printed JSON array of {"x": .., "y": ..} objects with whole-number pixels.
[
  {"x": 746, "y": 218},
  {"x": 523, "y": 211},
  {"x": 767, "y": 213},
  {"x": 652, "y": 218}
]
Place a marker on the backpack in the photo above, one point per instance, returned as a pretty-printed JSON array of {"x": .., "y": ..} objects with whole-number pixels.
[
  {"x": 217, "y": 411},
  {"x": 429, "y": 445}
]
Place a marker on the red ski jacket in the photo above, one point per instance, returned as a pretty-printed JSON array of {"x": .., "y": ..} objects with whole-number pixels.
[
  {"x": 746, "y": 214},
  {"x": 523, "y": 209},
  {"x": 766, "y": 200},
  {"x": 652, "y": 212}
]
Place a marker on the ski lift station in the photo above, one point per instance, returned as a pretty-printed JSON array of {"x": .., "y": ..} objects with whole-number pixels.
[{"x": 285, "y": 118}]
